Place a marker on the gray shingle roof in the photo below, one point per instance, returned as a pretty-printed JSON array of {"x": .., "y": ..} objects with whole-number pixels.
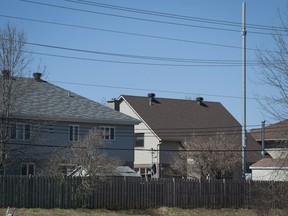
[{"x": 44, "y": 100}]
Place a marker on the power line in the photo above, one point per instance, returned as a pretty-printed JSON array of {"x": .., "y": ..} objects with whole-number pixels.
[
  {"x": 136, "y": 149},
  {"x": 176, "y": 16},
  {"x": 131, "y": 33},
  {"x": 126, "y": 33},
  {"x": 151, "y": 90},
  {"x": 158, "y": 21},
  {"x": 155, "y": 58},
  {"x": 128, "y": 17}
]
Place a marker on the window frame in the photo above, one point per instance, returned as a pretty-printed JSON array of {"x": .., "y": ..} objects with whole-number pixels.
[
  {"x": 20, "y": 131},
  {"x": 72, "y": 137},
  {"x": 27, "y": 168},
  {"x": 142, "y": 138},
  {"x": 111, "y": 136}
]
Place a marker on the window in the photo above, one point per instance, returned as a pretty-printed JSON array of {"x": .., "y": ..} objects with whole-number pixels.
[
  {"x": 74, "y": 132},
  {"x": 20, "y": 131},
  {"x": 108, "y": 133},
  {"x": 139, "y": 139},
  {"x": 27, "y": 169}
]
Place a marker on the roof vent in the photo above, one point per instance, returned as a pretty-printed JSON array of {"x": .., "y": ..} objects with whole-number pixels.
[
  {"x": 6, "y": 74},
  {"x": 152, "y": 99},
  {"x": 37, "y": 76},
  {"x": 199, "y": 100}
]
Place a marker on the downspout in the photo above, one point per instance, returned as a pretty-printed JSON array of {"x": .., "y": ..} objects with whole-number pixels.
[
  {"x": 263, "y": 138},
  {"x": 158, "y": 162}
]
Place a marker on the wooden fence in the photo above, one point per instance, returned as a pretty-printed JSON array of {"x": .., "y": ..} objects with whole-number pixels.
[{"x": 122, "y": 193}]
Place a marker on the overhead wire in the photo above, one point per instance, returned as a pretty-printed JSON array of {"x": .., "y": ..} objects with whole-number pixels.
[
  {"x": 129, "y": 17},
  {"x": 136, "y": 149},
  {"x": 133, "y": 33},
  {"x": 150, "y": 90},
  {"x": 199, "y": 62},
  {"x": 124, "y": 32},
  {"x": 176, "y": 16},
  {"x": 260, "y": 27}
]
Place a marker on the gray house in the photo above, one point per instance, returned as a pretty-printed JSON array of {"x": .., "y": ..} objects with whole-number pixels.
[{"x": 47, "y": 118}]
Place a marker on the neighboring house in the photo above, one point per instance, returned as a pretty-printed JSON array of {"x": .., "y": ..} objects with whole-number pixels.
[
  {"x": 273, "y": 165},
  {"x": 167, "y": 122},
  {"x": 47, "y": 118},
  {"x": 120, "y": 171},
  {"x": 275, "y": 136},
  {"x": 270, "y": 169}
]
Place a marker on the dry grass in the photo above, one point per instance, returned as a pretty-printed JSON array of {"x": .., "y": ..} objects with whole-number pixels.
[{"x": 151, "y": 212}]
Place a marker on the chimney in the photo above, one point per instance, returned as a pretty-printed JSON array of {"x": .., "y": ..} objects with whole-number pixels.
[
  {"x": 6, "y": 74},
  {"x": 151, "y": 99},
  {"x": 114, "y": 104},
  {"x": 37, "y": 76},
  {"x": 200, "y": 101}
]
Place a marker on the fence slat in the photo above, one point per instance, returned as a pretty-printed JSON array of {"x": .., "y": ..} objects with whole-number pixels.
[{"x": 127, "y": 193}]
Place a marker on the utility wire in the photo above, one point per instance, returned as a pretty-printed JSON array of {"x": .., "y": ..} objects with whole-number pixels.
[
  {"x": 128, "y": 17},
  {"x": 133, "y": 34},
  {"x": 142, "y": 57},
  {"x": 148, "y": 20},
  {"x": 150, "y": 90},
  {"x": 137, "y": 149},
  {"x": 176, "y": 16},
  {"x": 126, "y": 33}
]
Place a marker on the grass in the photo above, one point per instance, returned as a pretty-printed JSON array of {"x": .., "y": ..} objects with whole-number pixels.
[{"x": 151, "y": 212}]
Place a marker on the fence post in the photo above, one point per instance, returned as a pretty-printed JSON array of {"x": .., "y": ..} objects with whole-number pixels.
[
  {"x": 174, "y": 192},
  {"x": 224, "y": 193}
]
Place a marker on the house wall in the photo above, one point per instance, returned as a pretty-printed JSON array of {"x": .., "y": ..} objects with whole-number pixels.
[
  {"x": 143, "y": 158},
  {"x": 277, "y": 152},
  {"x": 44, "y": 143},
  {"x": 269, "y": 175}
]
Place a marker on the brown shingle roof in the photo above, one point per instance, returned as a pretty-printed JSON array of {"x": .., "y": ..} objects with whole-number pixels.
[
  {"x": 271, "y": 163},
  {"x": 277, "y": 131},
  {"x": 175, "y": 119}
]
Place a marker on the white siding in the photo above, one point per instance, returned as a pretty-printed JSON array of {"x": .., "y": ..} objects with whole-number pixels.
[
  {"x": 150, "y": 139},
  {"x": 269, "y": 175}
]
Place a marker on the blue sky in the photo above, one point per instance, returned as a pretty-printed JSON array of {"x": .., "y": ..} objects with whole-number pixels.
[{"x": 111, "y": 39}]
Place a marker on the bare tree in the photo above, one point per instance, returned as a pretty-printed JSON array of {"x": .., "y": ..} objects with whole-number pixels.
[
  {"x": 273, "y": 65},
  {"x": 14, "y": 62},
  {"x": 273, "y": 69},
  {"x": 86, "y": 158},
  {"x": 216, "y": 156}
]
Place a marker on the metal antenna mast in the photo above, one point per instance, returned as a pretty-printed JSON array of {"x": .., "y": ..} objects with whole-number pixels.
[{"x": 244, "y": 33}]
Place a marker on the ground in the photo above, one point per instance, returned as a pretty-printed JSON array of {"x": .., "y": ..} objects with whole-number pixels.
[{"x": 151, "y": 212}]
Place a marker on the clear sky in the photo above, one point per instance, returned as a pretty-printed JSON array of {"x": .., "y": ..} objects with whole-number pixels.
[{"x": 102, "y": 49}]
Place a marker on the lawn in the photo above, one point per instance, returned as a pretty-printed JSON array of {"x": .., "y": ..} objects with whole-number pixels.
[{"x": 153, "y": 212}]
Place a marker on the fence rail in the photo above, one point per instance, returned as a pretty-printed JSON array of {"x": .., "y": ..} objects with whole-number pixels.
[{"x": 122, "y": 193}]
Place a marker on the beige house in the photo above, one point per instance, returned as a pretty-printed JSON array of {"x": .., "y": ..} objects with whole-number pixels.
[
  {"x": 166, "y": 123},
  {"x": 274, "y": 166},
  {"x": 270, "y": 169}
]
